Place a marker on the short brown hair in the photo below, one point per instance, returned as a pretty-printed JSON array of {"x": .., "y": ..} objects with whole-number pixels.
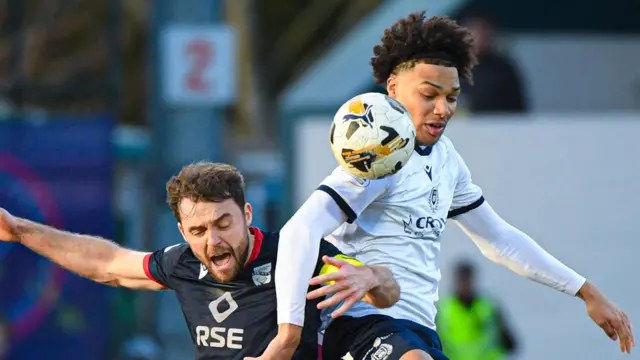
[{"x": 205, "y": 181}]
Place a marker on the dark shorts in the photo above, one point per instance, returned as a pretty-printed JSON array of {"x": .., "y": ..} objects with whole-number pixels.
[{"x": 378, "y": 337}]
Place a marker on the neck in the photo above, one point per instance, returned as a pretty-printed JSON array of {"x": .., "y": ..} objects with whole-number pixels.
[
  {"x": 466, "y": 298},
  {"x": 251, "y": 242}
]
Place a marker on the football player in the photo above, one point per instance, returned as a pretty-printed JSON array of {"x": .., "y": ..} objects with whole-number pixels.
[
  {"x": 223, "y": 275},
  {"x": 398, "y": 221}
]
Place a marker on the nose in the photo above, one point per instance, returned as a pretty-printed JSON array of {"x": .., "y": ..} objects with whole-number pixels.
[
  {"x": 441, "y": 108},
  {"x": 214, "y": 240}
]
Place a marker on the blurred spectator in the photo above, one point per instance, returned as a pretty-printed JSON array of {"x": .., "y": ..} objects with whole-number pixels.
[
  {"x": 5, "y": 337},
  {"x": 498, "y": 84},
  {"x": 471, "y": 326}
]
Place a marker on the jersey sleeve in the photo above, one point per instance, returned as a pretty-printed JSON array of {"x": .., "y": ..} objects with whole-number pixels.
[
  {"x": 328, "y": 249},
  {"x": 159, "y": 264},
  {"x": 352, "y": 194},
  {"x": 467, "y": 195}
]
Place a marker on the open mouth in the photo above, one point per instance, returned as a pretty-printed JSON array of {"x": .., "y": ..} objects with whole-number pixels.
[
  {"x": 435, "y": 129},
  {"x": 221, "y": 260}
]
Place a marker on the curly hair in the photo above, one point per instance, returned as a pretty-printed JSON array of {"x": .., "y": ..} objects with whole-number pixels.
[
  {"x": 414, "y": 40},
  {"x": 205, "y": 181}
]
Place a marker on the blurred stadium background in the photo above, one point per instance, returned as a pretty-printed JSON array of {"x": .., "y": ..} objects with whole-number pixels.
[{"x": 101, "y": 100}]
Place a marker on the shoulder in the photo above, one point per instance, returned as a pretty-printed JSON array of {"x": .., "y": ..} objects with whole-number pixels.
[
  {"x": 269, "y": 246},
  {"x": 174, "y": 254},
  {"x": 340, "y": 177},
  {"x": 164, "y": 264},
  {"x": 265, "y": 244},
  {"x": 343, "y": 178},
  {"x": 446, "y": 146},
  {"x": 452, "y": 158}
]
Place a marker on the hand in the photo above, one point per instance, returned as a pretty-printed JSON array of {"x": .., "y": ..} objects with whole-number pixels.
[
  {"x": 350, "y": 283},
  {"x": 284, "y": 345},
  {"x": 608, "y": 316},
  {"x": 8, "y": 227}
]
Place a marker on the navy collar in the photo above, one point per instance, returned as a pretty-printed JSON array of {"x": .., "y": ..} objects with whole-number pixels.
[{"x": 423, "y": 151}]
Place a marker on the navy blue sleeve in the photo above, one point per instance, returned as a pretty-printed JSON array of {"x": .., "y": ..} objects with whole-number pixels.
[{"x": 159, "y": 264}]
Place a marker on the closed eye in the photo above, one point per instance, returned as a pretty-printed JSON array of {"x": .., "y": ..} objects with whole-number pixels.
[{"x": 197, "y": 232}]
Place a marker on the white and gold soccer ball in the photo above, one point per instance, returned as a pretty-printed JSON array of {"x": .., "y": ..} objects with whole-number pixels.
[{"x": 372, "y": 136}]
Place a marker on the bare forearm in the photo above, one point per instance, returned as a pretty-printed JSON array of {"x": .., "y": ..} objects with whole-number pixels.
[
  {"x": 386, "y": 291},
  {"x": 87, "y": 256},
  {"x": 589, "y": 292}
]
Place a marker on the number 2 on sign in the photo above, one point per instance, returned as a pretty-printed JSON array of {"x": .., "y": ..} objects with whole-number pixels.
[{"x": 200, "y": 55}]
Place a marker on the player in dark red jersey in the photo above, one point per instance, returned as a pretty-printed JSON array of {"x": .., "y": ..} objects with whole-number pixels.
[{"x": 222, "y": 275}]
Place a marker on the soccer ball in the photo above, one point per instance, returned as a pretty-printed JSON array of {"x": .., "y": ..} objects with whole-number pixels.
[{"x": 372, "y": 136}]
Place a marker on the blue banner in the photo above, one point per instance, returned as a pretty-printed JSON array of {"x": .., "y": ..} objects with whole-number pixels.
[{"x": 60, "y": 173}]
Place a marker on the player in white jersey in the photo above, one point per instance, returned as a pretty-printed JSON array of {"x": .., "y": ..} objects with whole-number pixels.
[{"x": 397, "y": 221}]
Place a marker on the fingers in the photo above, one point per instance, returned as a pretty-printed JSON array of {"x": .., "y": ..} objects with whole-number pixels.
[
  {"x": 348, "y": 303},
  {"x": 327, "y": 289},
  {"x": 321, "y": 279},
  {"x": 335, "y": 299},
  {"x": 625, "y": 342},
  {"x": 333, "y": 261},
  {"x": 623, "y": 328},
  {"x": 627, "y": 323},
  {"x": 609, "y": 330}
]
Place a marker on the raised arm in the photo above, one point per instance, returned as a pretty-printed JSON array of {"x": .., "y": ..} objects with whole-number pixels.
[{"x": 92, "y": 257}]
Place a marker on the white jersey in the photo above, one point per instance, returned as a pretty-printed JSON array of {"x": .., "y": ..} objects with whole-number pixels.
[{"x": 397, "y": 222}]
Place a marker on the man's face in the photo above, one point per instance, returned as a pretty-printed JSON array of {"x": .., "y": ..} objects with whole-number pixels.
[
  {"x": 429, "y": 92},
  {"x": 464, "y": 284},
  {"x": 218, "y": 234}
]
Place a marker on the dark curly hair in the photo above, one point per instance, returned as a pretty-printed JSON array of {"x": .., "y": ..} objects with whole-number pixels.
[
  {"x": 205, "y": 181},
  {"x": 413, "y": 40}
]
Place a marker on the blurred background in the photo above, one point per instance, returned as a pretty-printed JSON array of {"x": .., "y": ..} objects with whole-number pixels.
[{"x": 102, "y": 100}]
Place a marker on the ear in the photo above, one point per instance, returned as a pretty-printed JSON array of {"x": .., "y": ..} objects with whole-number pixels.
[
  {"x": 392, "y": 82},
  {"x": 248, "y": 213},
  {"x": 181, "y": 229}
]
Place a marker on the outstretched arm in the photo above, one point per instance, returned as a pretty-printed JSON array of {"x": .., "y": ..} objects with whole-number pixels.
[
  {"x": 508, "y": 246},
  {"x": 504, "y": 244},
  {"x": 92, "y": 257}
]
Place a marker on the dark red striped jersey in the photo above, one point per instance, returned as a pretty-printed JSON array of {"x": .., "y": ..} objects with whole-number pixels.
[{"x": 239, "y": 318}]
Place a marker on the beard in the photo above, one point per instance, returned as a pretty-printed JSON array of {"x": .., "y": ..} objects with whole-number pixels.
[{"x": 233, "y": 262}]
